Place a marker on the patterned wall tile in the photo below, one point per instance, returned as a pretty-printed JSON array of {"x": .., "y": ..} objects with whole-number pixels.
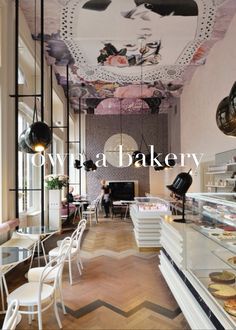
[{"x": 100, "y": 128}]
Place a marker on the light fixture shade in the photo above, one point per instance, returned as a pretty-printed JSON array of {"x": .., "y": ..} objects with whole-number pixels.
[
  {"x": 134, "y": 154},
  {"x": 77, "y": 164},
  {"x": 171, "y": 162},
  {"x": 160, "y": 168},
  {"x": 137, "y": 158},
  {"x": 226, "y": 115},
  {"x": 232, "y": 98},
  {"x": 22, "y": 145},
  {"x": 94, "y": 167},
  {"x": 38, "y": 136},
  {"x": 88, "y": 165},
  {"x": 148, "y": 158},
  {"x": 181, "y": 183}
]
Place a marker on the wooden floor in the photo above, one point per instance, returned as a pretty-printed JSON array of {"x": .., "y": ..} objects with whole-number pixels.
[{"x": 120, "y": 288}]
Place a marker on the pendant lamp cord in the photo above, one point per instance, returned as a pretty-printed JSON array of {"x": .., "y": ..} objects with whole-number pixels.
[
  {"x": 141, "y": 90},
  {"x": 121, "y": 128},
  {"x": 35, "y": 112}
]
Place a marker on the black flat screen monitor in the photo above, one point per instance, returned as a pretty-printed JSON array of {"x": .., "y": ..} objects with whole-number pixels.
[{"x": 122, "y": 191}]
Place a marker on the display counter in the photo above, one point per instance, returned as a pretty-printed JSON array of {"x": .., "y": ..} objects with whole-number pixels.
[
  {"x": 146, "y": 216},
  {"x": 198, "y": 261}
]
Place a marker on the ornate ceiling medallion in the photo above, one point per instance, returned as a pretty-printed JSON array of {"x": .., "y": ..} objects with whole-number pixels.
[{"x": 104, "y": 37}]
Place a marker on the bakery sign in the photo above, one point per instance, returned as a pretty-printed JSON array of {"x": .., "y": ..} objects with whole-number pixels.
[{"x": 124, "y": 158}]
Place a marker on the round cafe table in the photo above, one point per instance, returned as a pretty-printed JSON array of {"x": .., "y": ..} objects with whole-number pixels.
[
  {"x": 39, "y": 234},
  {"x": 80, "y": 204},
  {"x": 9, "y": 258}
]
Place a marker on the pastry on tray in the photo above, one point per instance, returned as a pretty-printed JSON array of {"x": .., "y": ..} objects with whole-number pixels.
[
  {"x": 230, "y": 306},
  {"x": 209, "y": 209},
  {"x": 230, "y": 217},
  {"x": 222, "y": 277},
  {"x": 222, "y": 291},
  {"x": 228, "y": 228},
  {"x": 212, "y": 228},
  {"x": 232, "y": 260},
  {"x": 227, "y": 236},
  {"x": 222, "y": 208}
]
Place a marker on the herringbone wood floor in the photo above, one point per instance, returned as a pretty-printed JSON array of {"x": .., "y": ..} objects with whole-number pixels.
[{"x": 118, "y": 290}]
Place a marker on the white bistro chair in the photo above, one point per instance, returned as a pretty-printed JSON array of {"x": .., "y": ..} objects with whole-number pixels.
[
  {"x": 34, "y": 274},
  {"x": 74, "y": 253},
  {"x": 74, "y": 243},
  {"x": 92, "y": 211},
  {"x": 40, "y": 295},
  {"x": 82, "y": 221},
  {"x": 12, "y": 316}
]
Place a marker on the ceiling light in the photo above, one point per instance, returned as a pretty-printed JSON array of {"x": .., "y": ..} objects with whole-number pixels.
[
  {"x": 88, "y": 165},
  {"x": 137, "y": 158},
  {"x": 148, "y": 158},
  {"x": 38, "y": 136},
  {"x": 138, "y": 164},
  {"x": 94, "y": 167},
  {"x": 232, "y": 97},
  {"x": 171, "y": 163},
  {"x": 226, "y": 115},
  {"x": 22, "y": 145},
  {"x": 77, "y": 164},
  {"x": 160, "y": 168}
]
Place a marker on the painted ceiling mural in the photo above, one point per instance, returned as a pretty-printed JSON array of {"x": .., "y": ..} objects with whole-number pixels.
[{"x": 129, "y": 48}]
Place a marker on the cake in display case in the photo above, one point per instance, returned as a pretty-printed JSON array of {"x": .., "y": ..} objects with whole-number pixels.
[
  {"x": 198, "y": 260},
  {"x": 210, "y": 248},
  {"x": 146, "y": 215},
  {"x": 152, "y": 204}
]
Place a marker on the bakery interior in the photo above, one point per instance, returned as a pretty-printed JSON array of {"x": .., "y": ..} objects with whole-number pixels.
[{"x": 118, "y": 164}]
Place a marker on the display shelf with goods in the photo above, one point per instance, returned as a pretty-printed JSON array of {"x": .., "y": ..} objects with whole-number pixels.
[
  {"x": 202, "y": 256},
  {"x": 219, "y": 178},
  {"x": 146, "y": 217}
]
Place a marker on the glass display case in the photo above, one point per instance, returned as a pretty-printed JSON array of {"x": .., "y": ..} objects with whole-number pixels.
[
  {"x": 210, "y": 250},
  {"x": 146, "y": 214},
  {"x": 151, "y": 204}
]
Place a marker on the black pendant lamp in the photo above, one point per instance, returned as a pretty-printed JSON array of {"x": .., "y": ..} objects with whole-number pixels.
[
  {"x": 232, "y": 98},
  {"x": 94, "y": 167},
  {"x": 38, "y": 136},
  {"x": 148, "y": 158},
  {"x": 22, "y": 146},
  {"x": 77, "y": 164},
  {"x": 171, "y": 163},
  {"x": 137, "y": 158},
  {"x": 226, "y": 113},
  {"x": 89, "y": 165},
  {"x": 160, "y": 168}
]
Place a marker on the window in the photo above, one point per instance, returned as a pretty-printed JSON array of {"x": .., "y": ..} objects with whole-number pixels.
[
  {"x": 21, "y": 77},
  {"x": 57, "y": 111},
  {"x": 29, "y": 175},
  {"x": 58, "y": 168},
  {"x": 74, "y": 153}
]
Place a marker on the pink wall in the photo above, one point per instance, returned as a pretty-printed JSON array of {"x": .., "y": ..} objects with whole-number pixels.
[{"x": 200, "y": 98}]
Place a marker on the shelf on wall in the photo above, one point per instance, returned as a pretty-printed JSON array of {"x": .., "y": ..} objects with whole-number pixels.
[
  {"x": 231, "y": 179},
  {"x": 221, "y": 169},
  {"x": 217, "y": 172},
  {"x": 215, "y": 186}
]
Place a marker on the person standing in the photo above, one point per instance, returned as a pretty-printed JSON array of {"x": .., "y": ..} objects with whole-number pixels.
[{"x": 105, "y": 192}]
